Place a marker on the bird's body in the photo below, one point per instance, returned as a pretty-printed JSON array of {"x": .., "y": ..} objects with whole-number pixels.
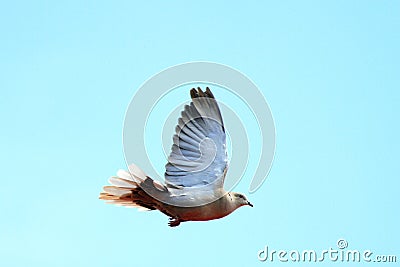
[
  {"x": 194, "y": 175},
  {"x": 211, "y": 211}
]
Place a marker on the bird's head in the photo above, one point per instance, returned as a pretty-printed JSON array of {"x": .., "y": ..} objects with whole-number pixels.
[{"x": 240, "y": 199}]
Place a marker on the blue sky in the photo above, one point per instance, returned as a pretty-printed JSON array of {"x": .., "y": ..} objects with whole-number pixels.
[{"x": 328, "y": 69}]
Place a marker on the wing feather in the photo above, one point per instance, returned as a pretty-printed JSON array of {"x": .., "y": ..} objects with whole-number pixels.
[{"x": 198, "y": 154}]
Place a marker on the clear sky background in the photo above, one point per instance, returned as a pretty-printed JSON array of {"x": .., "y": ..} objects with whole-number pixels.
[{"x": 68, "y": 69}]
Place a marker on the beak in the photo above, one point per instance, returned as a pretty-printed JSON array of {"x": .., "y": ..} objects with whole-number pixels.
[{"x": 251, "y": 205}]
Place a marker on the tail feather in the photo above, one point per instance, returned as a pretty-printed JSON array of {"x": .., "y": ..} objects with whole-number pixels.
[
  {"x": 117, "y": 191},
  {"x": 125, "y": 189},
  {"x": 120, "y": 182}
]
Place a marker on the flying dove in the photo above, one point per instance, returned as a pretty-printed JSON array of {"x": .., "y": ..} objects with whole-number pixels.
[{"x": 195, "y": 171}]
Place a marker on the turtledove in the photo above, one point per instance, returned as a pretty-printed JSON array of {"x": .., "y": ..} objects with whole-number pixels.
[{"x": 195, "y": 171}]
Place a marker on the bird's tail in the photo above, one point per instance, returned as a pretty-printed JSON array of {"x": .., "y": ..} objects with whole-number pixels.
[{"x": 126, "y": 189}]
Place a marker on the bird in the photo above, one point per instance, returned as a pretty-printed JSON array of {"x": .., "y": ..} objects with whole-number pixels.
[{"x": 194, "y": 174}]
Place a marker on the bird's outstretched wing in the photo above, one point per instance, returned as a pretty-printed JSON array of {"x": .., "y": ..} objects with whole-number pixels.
[{"x": 198, "y": 157}]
